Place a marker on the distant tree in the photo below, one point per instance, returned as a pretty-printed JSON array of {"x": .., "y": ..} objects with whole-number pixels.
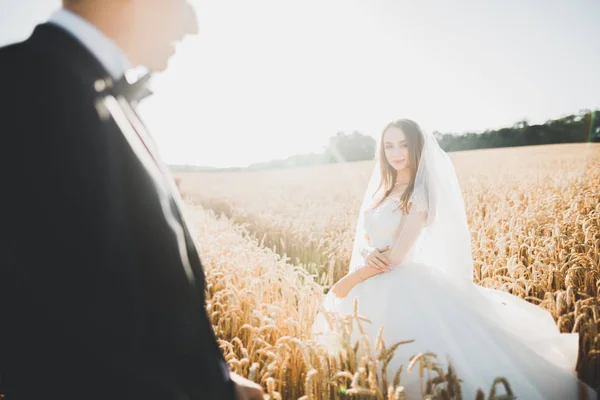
[
  {"x": 521, "y": 124},
  {"x": 353, "y": 147},
  {"x": 595, "y": 127},
  {"x": 575, "y": 128}
]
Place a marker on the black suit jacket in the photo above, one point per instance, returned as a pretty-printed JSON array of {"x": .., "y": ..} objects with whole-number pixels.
[{"x": 101, "y": 286}]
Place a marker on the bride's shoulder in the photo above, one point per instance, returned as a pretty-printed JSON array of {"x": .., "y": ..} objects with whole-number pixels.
[{"x": 419, "y": 200}]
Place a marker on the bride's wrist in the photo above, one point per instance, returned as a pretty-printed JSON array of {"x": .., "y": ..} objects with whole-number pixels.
[{"x": 359, "y": 274}]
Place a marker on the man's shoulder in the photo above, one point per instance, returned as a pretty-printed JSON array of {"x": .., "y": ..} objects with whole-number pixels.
[
  {"x": 11, "y": 49},
  {"x": 13, "y": 55},
  {"x": 20, "y": 61},
  {"x": 26, "y": 69},
  {"x": 30, "y": 49}
]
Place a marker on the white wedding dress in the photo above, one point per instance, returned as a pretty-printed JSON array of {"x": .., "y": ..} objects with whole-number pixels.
[{"x": 485, "y": 333}]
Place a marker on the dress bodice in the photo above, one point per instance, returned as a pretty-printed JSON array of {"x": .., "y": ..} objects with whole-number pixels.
[{"x": 382, "y": 222}]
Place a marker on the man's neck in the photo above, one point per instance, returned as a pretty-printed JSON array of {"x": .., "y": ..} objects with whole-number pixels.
[
  {"x": 106, "y": 20},
  {"x": 105, "y": 50}
]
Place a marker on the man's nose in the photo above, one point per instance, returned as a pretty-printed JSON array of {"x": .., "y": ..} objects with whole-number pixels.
[{"x": 190, "y": 26}]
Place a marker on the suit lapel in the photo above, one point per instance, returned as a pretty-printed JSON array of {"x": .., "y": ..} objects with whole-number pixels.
[
  {"x": 141, "y": 131},
  {"x": 150, "y": 146},
  {"x": 113, "y": 108}
]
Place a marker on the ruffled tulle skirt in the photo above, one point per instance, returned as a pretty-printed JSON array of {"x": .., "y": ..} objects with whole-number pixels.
[{"x": 484, "y": 333}]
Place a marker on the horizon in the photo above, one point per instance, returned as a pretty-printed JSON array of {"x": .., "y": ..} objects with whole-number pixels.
[
  {"x": 265, "y": 165},
  {"x": 266, "y": 80}
]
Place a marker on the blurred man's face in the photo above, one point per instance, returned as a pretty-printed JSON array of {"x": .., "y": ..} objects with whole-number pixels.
[{"x": 156, "y": 26}]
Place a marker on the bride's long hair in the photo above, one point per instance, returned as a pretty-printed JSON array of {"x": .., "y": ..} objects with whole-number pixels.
[{"x": 414, "y": 137}]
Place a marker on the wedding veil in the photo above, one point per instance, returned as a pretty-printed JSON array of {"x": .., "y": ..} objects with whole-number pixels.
[{"x": 435, "y": 230}]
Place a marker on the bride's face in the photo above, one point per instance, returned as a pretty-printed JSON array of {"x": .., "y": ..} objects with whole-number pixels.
[{"x": 395, "y": 146}]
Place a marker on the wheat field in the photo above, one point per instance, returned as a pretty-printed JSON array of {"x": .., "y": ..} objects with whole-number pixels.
[{"x": 272, "y": 243}]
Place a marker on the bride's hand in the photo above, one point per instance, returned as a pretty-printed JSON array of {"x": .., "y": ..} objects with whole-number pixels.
[{"x": 378, "y": 259}]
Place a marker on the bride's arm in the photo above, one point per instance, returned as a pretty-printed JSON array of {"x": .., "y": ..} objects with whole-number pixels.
[
  {"x": 376, "y": 264},
  {"x": 408, "y": 232},
  {"x": 347, "y": 283}
]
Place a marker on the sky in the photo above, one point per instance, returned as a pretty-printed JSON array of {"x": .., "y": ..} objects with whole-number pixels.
[{"x": 266, "y": 79}]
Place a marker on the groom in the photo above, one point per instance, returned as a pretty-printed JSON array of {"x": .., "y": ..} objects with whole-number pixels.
[{"x": 102, "y": 293}]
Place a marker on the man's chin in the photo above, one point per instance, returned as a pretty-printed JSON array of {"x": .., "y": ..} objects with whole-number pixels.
[{"x": 158, "y": 66}]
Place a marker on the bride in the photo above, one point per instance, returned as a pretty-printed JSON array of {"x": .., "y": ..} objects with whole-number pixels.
[{"x": 411, "y": 271}]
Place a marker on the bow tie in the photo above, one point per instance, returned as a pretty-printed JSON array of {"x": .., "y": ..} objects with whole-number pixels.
[{"x": 134, "y": 92}]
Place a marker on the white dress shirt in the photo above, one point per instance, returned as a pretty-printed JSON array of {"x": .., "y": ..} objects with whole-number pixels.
[{"x": 111, "y": 56}]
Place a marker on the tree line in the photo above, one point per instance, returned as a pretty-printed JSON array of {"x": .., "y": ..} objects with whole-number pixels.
[
  {"x": 355, "y": 146},
  {"x": 577, "y": 128}
]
